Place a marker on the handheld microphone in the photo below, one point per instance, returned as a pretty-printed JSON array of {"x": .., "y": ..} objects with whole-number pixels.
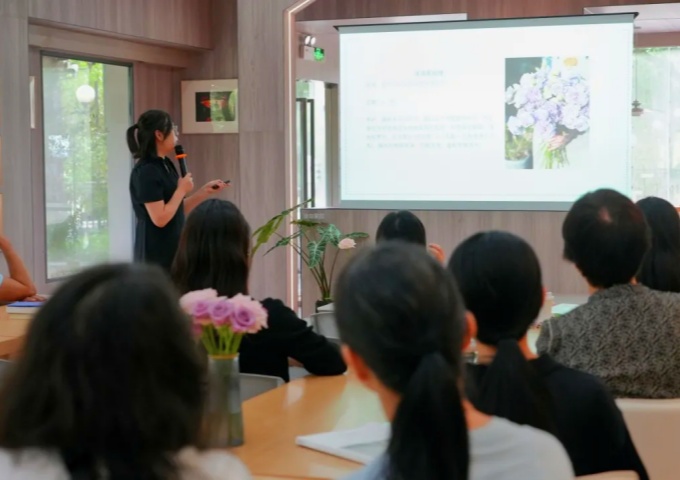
[{"x": 182, "y": 158}]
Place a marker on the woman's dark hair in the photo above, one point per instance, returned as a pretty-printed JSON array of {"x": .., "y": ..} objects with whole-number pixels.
[
  {"x": 402, "y": 225},
  {"x": 500, "y": 279},
  {"x": 661, "y": 266},
  {"x": 606, "y": 237},
  {"x": 141, "y": 137},
  {"x": 109, "y": 377},
  {"x": 213, "y": 250},
  {"x": 401, "y": 312}
]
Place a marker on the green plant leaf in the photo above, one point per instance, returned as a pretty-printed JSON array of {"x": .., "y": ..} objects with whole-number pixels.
[
  {"x": 329, "y": 234},
  {"x": 263, "y": 234},
  {"x": 285, "y": 241},
  {"x": 316, "y": 251},
  {"x": 356, "y": 235},
  {"x": 305, "y": 223}
]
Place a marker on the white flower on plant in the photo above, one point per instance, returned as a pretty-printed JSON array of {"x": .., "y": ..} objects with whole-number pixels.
[{"x": 346, "y": 244}]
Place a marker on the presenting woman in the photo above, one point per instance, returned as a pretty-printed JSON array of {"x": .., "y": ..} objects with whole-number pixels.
[{"x": 157, "y": 191}]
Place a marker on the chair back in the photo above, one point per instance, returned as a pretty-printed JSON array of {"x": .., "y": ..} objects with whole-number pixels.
[
  {"x": 611, "y": 476},
  {"x": 253, "y": 385},
  {"x": 655, "y": 428},
  {"x": 324, "y": 324}
]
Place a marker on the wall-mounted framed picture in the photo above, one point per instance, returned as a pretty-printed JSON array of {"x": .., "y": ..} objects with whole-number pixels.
[{"x": 209, "y": 106}]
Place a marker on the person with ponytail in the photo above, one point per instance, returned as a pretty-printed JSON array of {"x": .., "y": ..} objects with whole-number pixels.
[
  {"x": 661, "y": 266},
  {"x": 499, "y": 277},
  {"x": 157, "y": 191},
  {"x": 403, "y": 325}
]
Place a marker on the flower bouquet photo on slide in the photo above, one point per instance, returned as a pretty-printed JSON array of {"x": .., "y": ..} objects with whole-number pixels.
[{"x": 548, "y": 104}]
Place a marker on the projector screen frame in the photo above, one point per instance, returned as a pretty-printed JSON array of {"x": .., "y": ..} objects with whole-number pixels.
[{"x": 463, "y": 205}]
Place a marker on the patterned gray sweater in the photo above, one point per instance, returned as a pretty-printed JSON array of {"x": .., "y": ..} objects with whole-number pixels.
[{"x": 628, "y": 335}]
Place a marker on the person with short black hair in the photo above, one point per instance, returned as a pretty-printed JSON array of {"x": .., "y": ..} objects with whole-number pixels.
[
  {"x": 403, "y": 326},
  {"x": 500, "y": 278},
  {"x": 405, "y": 226},
  {"x": 627, "y": 334},
  {"x": 109, "y": 386},
  {"x": 661, "y": 267}
]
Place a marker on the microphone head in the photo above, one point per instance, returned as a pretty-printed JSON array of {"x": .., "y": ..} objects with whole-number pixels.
[{"x": 179, "y": 150}]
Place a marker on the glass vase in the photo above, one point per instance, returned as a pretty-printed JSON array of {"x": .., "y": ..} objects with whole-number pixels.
[{"x": 223, "y": 418}]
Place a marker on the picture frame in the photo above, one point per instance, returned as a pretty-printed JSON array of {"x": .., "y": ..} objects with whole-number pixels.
[{"x": 209, "y": 106}]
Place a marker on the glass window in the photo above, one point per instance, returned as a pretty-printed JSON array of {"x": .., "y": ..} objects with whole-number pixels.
[
  {"x": 88, "y": 217},
  {"x": 656, "y": 123}
]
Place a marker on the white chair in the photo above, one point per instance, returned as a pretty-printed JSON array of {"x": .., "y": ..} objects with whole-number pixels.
[
  {"x": 324, "y": 324},
  {"x": 655, "y": 428},
  {"x": 253, "y": 385},
  {"x": 611, "y": 476}
]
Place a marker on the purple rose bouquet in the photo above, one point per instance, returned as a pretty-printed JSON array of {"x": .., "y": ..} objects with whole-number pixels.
[
  {"x": 221, "y": 322},
  {"x": 554, "y": 103}
]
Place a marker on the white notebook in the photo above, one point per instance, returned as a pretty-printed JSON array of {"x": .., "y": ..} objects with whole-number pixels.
[{"x": 362, "y": 445}]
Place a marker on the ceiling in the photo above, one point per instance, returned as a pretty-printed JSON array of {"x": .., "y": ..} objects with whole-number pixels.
[{"x": 654, "y": 18}]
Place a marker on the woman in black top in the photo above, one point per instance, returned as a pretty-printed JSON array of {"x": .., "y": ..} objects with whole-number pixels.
[
  {"x": 157, "y": 191},
  {"x": 214, "y": 252},
  {"x": 500, "y": 278},
  {"x": 660, "y": 269}
]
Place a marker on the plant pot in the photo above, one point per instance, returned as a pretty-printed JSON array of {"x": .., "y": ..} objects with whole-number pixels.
[
  {"x": 321, "y": 303},
  {"x": 223, "y": 418},
  {"x": 518, "y": 164}
]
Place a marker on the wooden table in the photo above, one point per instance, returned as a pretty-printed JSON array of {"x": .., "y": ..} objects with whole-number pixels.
[
  {"x": 13, "y": 328},
  {"x": 309, "y": 405}
]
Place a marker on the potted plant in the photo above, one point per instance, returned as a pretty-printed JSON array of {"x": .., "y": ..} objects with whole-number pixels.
[{"x": 312, "y": 241}]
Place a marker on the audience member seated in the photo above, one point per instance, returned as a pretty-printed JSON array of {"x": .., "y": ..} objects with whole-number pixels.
[
  {"x": 500, "y": 279},
  {"x": 108, "y": 386},
  {"x": 405, "y": 226},
  {"x": 627, "y": 334},
  {"x": 403, "y": 326},
  {"x": 214, "y": 252},
  {"x": 661, "y": 266},
  {"x": 18, "y": 285}
]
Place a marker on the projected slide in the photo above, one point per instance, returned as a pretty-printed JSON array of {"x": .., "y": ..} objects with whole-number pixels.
[{"x": 489, "y": 114}]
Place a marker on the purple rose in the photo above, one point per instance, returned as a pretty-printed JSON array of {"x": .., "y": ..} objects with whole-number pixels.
[
  {"x": 220, "y": 311},
  {"x": 201, "y": 309},
  {"x": 243, "y": 320}
]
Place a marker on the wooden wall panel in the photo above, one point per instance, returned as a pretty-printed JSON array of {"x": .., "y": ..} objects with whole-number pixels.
[
  {"x": 106, "y": 48},
  {"x": 180, "y": 22},
  {"x": 15, "y": 127},
  {"x": 216, "y": 156},
  {"x": 332, "y": 9},
  {"x": 448, "y": 228},
  {"x": 155, "y": 87},
  {"x": 262, "y": 142}
]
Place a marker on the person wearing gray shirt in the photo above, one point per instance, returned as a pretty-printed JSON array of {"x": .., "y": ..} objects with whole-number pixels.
[
  {"x": 403, "y": 325},
  {"x": 502, "y": 450}
]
